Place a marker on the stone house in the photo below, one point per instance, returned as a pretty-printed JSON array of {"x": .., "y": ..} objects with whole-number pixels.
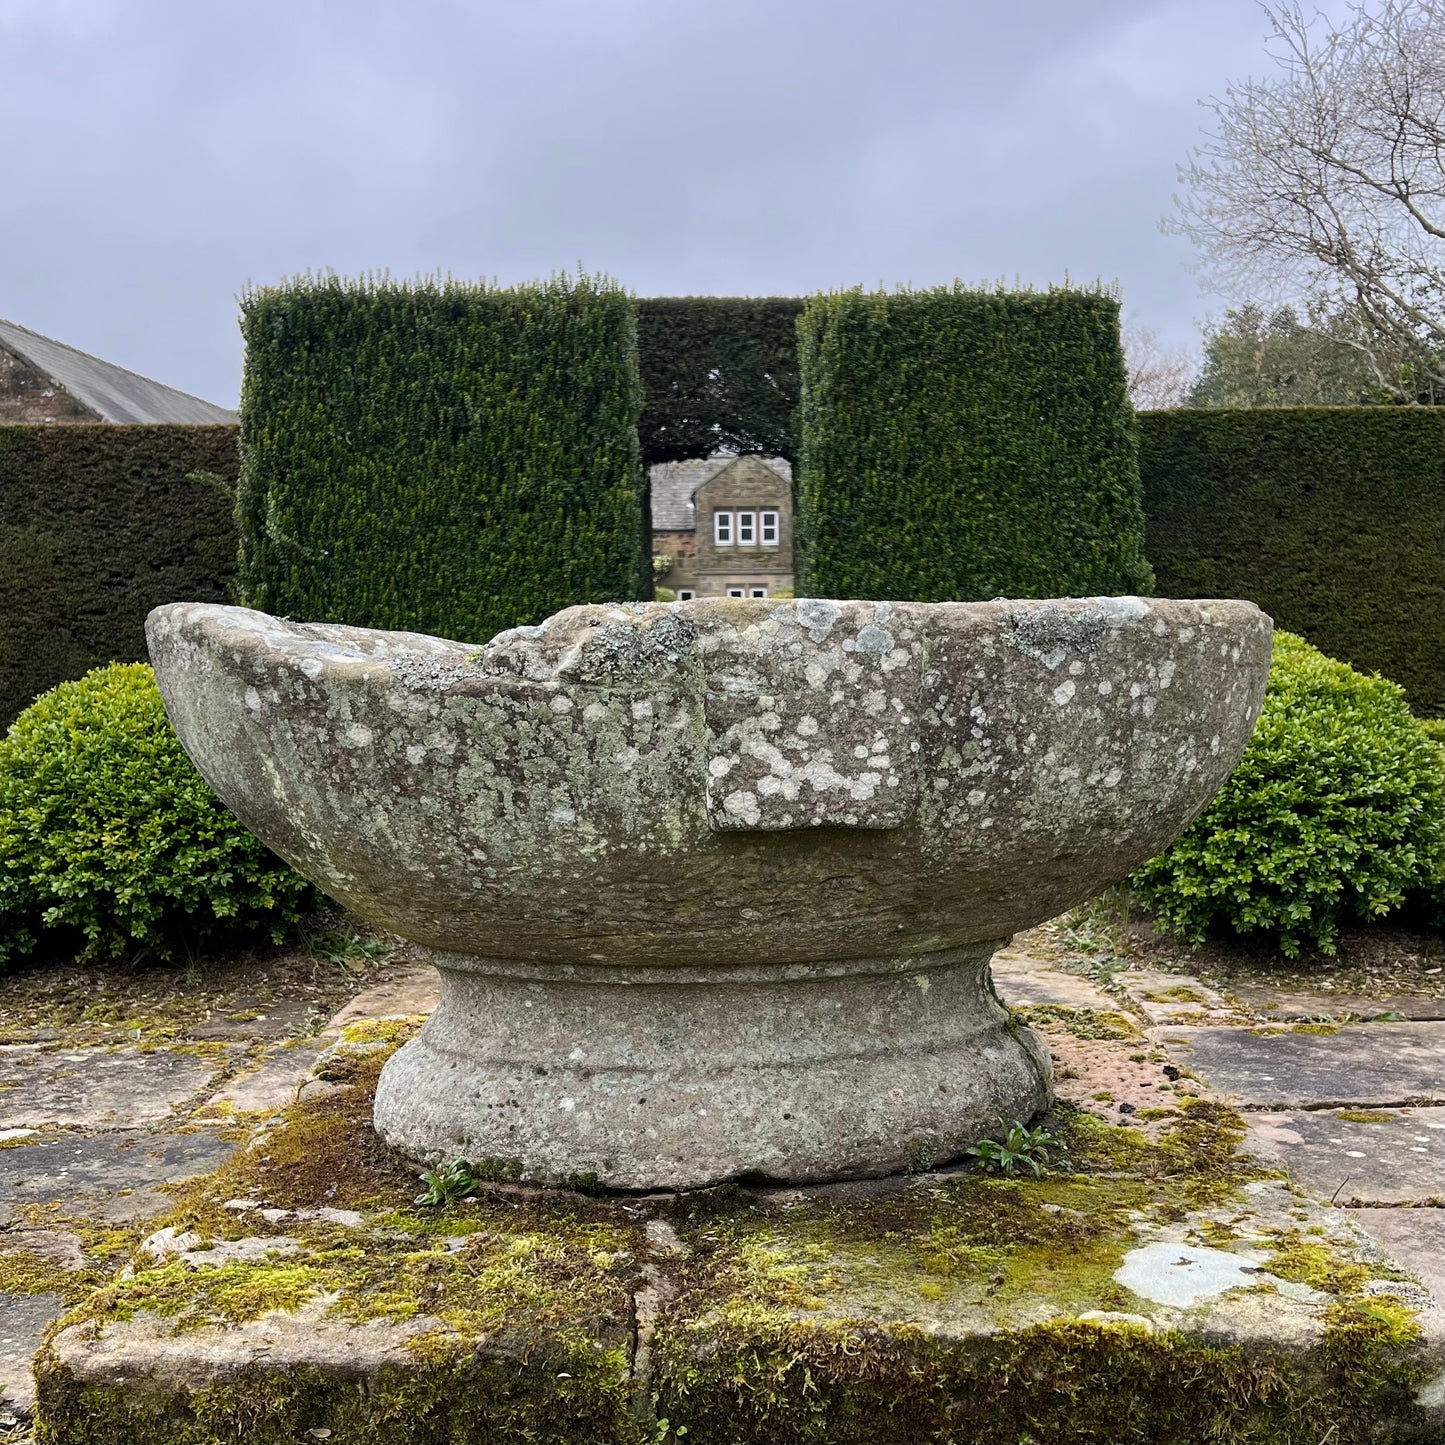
[
  {"x": 46, "y": 382},
  {"x": 725, "y": 525}
]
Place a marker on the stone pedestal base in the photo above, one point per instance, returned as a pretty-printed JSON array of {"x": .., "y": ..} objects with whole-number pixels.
[{"x": 666, "y": 1078}]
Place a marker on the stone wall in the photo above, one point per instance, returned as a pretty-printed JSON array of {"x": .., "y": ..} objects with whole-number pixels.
[
  {"x": 28, "y": 396},
  {"x": 682, "y": 548}
]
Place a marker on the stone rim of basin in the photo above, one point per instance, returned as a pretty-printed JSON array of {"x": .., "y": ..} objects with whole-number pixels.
[{"x": 787, "y": 836}]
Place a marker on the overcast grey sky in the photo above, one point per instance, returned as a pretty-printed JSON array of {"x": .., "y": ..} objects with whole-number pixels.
[{"x": 159, "y": 154}]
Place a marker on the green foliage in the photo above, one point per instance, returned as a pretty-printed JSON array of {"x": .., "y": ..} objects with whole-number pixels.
[
  {"x": 98, "y": 524},
  {"x": 446, "y": 1185},
  {"x": 960, "y": 444},
  {"x": 719, "y": 373},
  {"x": 1259, "y": 358},
  {"x": 440, "y": 457},
  {"x": 1333, "y": 813},
  {"x": 1019, "y": 1148},
  {"x": 110, "y": 837},
  {"x": 1332, "y": 520}
]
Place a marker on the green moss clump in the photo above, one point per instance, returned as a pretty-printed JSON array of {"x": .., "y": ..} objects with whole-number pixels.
[
  {"x": 1083, "y": 1023},
  {"x": 542, "y": 1392},
  {"x": 24, "y": 1272},
  {"x": 383, "y": 1031},
  {"x": 1364, "y": 1116}
]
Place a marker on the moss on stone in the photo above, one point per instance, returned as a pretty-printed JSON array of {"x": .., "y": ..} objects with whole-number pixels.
[
  {"x": 25, "y": 1272},
  {"x": 790, "y": 1323},
  {"x": 755, "y": 1381},
  {"x": 383, "y": 1031},
  {"x": 1083, "y": 1023}
]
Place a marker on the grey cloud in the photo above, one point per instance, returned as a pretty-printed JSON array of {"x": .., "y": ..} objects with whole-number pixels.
[{"x": 160, "y": 154}]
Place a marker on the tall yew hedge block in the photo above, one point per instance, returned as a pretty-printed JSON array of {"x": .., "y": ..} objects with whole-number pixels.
[
  {"x": 1331, "y": 518},
  {"x": 965, "y": 444},
  {"x": 440, "y": 457},
  {"x": 98, "y": 524}
]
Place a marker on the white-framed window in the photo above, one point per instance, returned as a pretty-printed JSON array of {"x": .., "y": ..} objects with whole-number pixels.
[
  {"x": 769, "y": 521},
  {"x": 757, "y": 591},
  {"x": 747, "y": 529},
  {"x": 722, "y": 529},
  {"x": 735, "y": 591},
  {"x": 685, "y": 594}
]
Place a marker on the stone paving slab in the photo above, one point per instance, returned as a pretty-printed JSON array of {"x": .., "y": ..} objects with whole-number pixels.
[
  {"x": 1362, "y": 1065},
  {"x": 1021, "y": 980},
  {"x": 1396, "y": 1157},
  {"x": 105, "y": 1176},
  {"x": 1162, "y": 997},
  {"x": 729, "y": 1364},
  {"x": 405, "y": 992},
  {"x": 1415, "y": 1237},
  {"x": 24, "y": 1319},
  {"x": 98, "y": 1088},
  {"x": 270, "y": 1086},
  {"x": 1275, "y": 1003}
]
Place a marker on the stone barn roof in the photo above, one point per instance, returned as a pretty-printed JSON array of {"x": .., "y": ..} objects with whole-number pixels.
[{"x": 111, "y": 392}]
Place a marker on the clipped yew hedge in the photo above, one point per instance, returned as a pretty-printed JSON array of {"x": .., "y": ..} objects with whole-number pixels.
[
  {"x": 98, "y": 524},
  {"x": 965, "y": 444},
  {"x": 719, "y": 373},
  {"x": 438, "y": 456},
  {"x": 1330, "y": 518}
]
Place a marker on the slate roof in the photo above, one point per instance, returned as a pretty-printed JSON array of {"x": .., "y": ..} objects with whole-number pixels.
[
  {"x": 112, "y": 392},
  {"x": 673, "y": 485}
]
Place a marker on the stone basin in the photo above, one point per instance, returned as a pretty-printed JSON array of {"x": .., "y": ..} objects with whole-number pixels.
[{"x": 713, "y": 885}]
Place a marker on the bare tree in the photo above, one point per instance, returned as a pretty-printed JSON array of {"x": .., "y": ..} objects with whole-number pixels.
[
  {"x": 1324, "y": 184},
  {"x": 1160, "y": 376}
]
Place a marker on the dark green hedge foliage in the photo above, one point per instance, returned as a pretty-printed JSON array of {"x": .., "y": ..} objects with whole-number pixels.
[
  {"x": 1334, "y": 814},
  {"x": 719, "y": 373},
  {"x": 110, "y": 839},
  {"x": 964, "y": 444},
  {"x": 98, "y": 524},
  {"x": 1330, "y": 518},
  {"x": 440, "y": 457}
]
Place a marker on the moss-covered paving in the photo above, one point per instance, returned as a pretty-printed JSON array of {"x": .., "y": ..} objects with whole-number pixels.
[{"x": 303, "y": 1290}]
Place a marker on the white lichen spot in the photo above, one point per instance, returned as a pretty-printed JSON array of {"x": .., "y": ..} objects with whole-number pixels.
[
  {"x": 1111, "y": 778},
  {"x": 744, "y": 805},
  {"x": 807, "y": 726},
  {"x": 253, "y": 699},
  {"x": 1076, "y": 668},
  {"x": 860, "y": 751},
  {"x": 561, "y": 703},
  {"x": 642, "y": 707},
  {"x": 976, "y": 796},
  {"x": 1166, "y": 673},
  {"x": 313, "y": 667},
  {"x": 357, "y": 735},
  {"x": 1064, "y": 692},
  {"x": 594, "y": 711},
  {"x": 567, "y": 816},
  {"x": 1105, "y": 688},
  {"x": 415, "y": 753}
]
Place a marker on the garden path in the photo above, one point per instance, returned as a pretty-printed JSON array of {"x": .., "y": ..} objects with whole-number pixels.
[{"x": 91, "y": 1135}]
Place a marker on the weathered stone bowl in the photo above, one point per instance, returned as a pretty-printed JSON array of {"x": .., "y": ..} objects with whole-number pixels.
[{"x": 713, "y": 885}]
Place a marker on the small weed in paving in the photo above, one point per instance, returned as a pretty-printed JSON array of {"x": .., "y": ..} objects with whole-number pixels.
[
  {"x": 1020, "y": 1148},
  {"x": 447, "y": 1185}
]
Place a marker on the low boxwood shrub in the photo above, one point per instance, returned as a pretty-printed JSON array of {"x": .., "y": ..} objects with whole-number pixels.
[
  {"x": 1333, "y": 814},
  {"x": 110, "y": 839}
]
